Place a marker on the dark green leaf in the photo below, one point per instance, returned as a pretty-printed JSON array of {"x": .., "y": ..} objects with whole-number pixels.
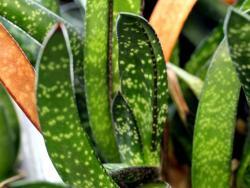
[
  {"x": 143, "y": 80},
  {"x": 237, "y": 28},
  {"x": 215, "y": 123},
  {"x": 67, "y": 143},
  {"x": 127, "y": 133}
]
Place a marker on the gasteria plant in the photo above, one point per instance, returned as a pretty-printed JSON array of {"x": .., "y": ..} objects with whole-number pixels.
[{"x": 102, "y": 94}]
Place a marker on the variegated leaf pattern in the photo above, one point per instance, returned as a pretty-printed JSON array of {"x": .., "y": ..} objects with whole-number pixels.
[
  {"x": 67, "y": 143},
  {"x": 126, "y": 132},
  {"x": 236, "y": 27},
  {"x": 215, "y": 123},
  {"x": 143, "y": 80},
  {"x": 52, "y": 5}
]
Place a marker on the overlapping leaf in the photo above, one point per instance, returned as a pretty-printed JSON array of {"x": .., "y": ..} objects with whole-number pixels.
[
  {"x": 37, "y": 21},
  {"x": 143, "y": 80},
  {"x": 126, "y": 132},
  {"x": 101, "y": 69},
  {"x": 236, "y": 30},
  {"x": 17, "y": 75},
  {"x": 29, "y": 45},
  {"x": 67, "y": 143},
  {"x": 52, "y": 5},
  {"x": 24, "y": 184}
]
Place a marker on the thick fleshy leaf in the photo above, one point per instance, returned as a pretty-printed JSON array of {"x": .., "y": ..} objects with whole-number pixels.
[
  {"x": 17, "y": 75},
  {"x": 96, "y": 76},
  {"x": 236, "y": 30},
  {"x": 37, "y": 21},
  {"x": 29, "y": 45},
  {"x": 203, "y": 54},
  {"x": 120, "y": 6},
  {"x": 25, "y": 184},
  {"x": 52, "y": 5},
  {"x": 67, "y": 143},
  {"x": 143, "y": 80},
  {"x": 168, "y": 19},
  {"x": 215, "y": 123},
  {"x": 101, "y": 68},
  {"x": 193, "y": 82},
  {"x": 126, "y": 132}
]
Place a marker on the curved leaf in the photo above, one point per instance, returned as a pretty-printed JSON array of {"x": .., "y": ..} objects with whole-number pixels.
[
  {"x": 236, "y": 29},
  {"x": 67, "y": 143},
  {"x": 37, "y": 22},
  {"x": 143, "y": 81},
  {"x": 101, "y": 61},
  {"x": 215, "y": 123},
  {"x": 127, "y": 133}
]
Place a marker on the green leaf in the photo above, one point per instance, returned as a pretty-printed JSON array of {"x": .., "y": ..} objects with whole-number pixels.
[
  {"x": 215, "y": 123},
  {"x": 193, "y": 82},
  {"x": 143, "y": 81},
  {"x": 101, "y": 68},
  {"x": 96, "y": 77},
  {"x": 236, "y": 28},
  {"x": 25, "y": 184},
  {"x": 52, "y": 5},
  {"x": 67, "y": 143},
  {"x": 37, "y": 22},
  {"x": 120, "y": 6},
  {"x": 9, "y": 135},
  {"x": 29, "y": 45},
  {"x": 204, "y": 53},
  {"x": 127, "y": 133}
]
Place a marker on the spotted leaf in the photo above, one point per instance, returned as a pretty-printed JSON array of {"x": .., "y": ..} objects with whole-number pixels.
[
  {"x": 215, "y": 123},
  {"x": 67, "y": 143},
  {"x": 127, "y": 133},
  {"x": 101, "y": 61},
  {"x": 143, "y": 80},
  {"x": 237, "y": 27},
  {"x": 36, "y": 20}
]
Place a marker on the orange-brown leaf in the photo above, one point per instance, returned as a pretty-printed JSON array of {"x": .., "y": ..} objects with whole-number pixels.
[
  {"x": 168, "y": 19},
  {"x": 17, "y": 75}
]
